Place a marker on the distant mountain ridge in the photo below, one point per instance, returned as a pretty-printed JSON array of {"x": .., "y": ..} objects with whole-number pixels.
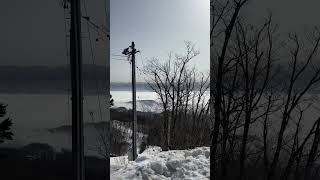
[{"x": 56, "y": 80}]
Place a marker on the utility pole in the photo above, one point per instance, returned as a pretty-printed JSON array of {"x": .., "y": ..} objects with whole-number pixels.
[
  {"x": 77, "y": 94},
  {"x": 134, "y": 102}
]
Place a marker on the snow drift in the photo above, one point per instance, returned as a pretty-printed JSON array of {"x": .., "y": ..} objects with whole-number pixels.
[{"x": 154, "y": 163}]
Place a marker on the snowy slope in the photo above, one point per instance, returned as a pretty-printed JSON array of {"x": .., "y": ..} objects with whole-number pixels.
[{"x": 156, "y": 164}]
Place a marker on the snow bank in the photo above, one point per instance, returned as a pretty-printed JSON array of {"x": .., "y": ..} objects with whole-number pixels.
[{"x": 156, "y": 164}]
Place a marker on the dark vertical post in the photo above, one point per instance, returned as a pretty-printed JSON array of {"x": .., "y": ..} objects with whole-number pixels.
[
  {"x": 77, "y": 95},
  {"x": 134, "y": 109},
  {"x": 107, "y": 6}
]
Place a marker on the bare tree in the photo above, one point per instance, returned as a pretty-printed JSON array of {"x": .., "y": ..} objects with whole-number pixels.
[
  {"x": 181, "y": 91},
  {"x": 255, "y": 55},
  {"x": 223, "y": 19},
  {"x": 302, "y": 62},
  {"x": 111, "y": 141},
  {"x": 246, "y": 89},
  {"x": 313, "y": 151}
]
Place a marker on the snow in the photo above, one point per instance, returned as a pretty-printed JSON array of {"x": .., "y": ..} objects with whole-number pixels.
[{"x": 154, "y": 163}]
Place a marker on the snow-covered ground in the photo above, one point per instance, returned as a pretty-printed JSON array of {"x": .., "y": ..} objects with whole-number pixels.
[{"x": 156, "y": 164}]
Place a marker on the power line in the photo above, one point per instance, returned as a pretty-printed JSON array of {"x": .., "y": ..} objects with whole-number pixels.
[
  {"x": 96, "y": 27},
  {"x": 118, "y": 55},
  {"x": 93, "y": 61},
  {"x": 65, "y": 4},
  {"x": 119, "y": 59},
  {"x": 68, "y": 62},
  {"x": 107, "y": 15}
]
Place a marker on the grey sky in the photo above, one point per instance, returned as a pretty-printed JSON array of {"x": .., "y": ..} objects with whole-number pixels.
[
  {"x": 158, "y": 27},
  {"x": 32, "y": 31},
  {"x": 291, "y": 15}
]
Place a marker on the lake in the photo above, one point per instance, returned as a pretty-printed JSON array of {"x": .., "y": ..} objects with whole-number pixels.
[{"x": 33, "y": 114}]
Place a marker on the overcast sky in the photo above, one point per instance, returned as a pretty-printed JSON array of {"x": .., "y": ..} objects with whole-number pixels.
[
  {"x": 32, "y": 31},
  {"x": 157, "y": 27}
]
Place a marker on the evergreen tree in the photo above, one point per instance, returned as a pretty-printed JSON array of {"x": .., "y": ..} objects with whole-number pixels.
[
  {"x": 111, "y": 101},
  {"x": 5, "y": 125}
]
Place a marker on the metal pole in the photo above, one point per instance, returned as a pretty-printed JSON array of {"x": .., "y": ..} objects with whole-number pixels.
[
  {"x": 77, "y": 94},
  {"x": 107, "y": 5},
  {"x": 134, "y": 109}
]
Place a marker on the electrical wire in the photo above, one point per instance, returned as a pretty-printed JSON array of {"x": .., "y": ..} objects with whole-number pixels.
[
  {"x": 119, "y": 59},
  {"x": 117, "y": 55},
  {"x": 68, "y": 86},
  {"x": 107, "y": 15},
  {"x": 93, "y": 61}
]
